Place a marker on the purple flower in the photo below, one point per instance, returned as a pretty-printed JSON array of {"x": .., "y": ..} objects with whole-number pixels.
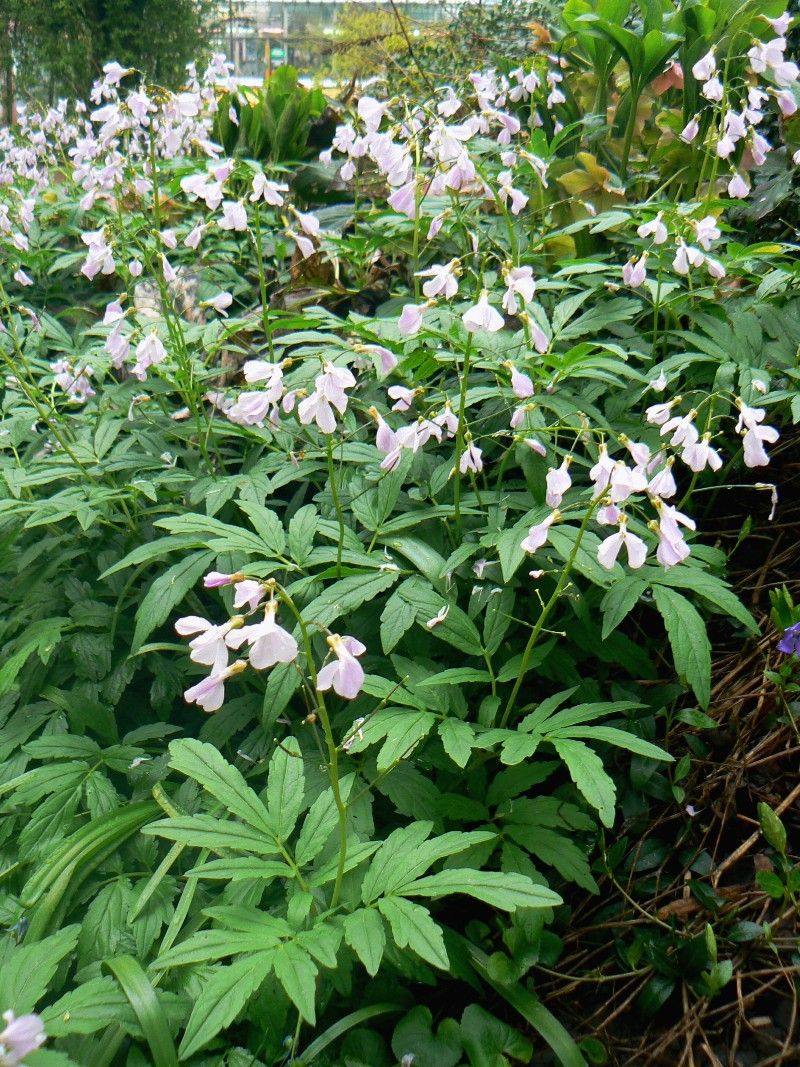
[{"x": 790, "y": 642}]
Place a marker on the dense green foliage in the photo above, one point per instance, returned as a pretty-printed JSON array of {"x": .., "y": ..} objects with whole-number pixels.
[{"x": 424, "y": 469}]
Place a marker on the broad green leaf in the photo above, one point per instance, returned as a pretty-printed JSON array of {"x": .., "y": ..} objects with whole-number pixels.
[
  {"x": 297, "y": 973},
  {"x": 498, "y": 888},
  {"x": 457, "y": 740},
  {"x": 27, "y": 970},
  {"x": 620, "y": 600},
  {"x": 266, "y": 524},
  {"x": 587, "y": 772},
  {"x": 204, "y": 831},
  {"x": 412, "y": 927},
  {"x": 222, "y": 998},
  {"x": 320, "y": 822},
  {"x": 365, "y": 934},
  {"x": 206, "y": 766},
  {"x": 688, "y": 639},
  {"x": 166, "y": 592},
  {"x": 285, "y": 787},
  {"x": 621, "y": 738},
  {"x": 711, "y": 589}
]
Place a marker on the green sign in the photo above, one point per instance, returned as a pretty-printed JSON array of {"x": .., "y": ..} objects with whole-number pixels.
[{"x": 276, "y": 52}]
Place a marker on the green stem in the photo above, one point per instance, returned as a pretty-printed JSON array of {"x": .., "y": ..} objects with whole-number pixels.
[
  {"x": 462, "y": 404},
  {"x": 262, "y": 284},
  {"x": 545, "y": 613},
  {"x": 330, "y": 743},
  {"x": 336, "y": 503}
]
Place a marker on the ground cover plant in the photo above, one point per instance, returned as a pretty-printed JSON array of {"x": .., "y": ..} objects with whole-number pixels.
[{"x": 357, "y": 542}]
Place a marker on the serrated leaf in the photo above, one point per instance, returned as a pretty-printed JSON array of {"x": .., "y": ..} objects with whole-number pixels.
[
  {"x": 587, "y": 772},
  {"x": 166, "y": 592},
  {"x": 688, "y": 639},
  {"x": 457, "y": 740},
  {"x": 205, "y": 765},
  {"x": 619, "y": 601},
  {"x": 412, "y": 927},
  {"x": 297, "y": 973},
  {"x": 365, "y": 934},
  {"x": 285, "y": 787},
  {"x": 222, "y": 998},
  {"x": 498, "y": 888}
]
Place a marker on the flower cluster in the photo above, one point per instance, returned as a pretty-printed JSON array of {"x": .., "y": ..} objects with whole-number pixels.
[{"x": 266, "y": 641}]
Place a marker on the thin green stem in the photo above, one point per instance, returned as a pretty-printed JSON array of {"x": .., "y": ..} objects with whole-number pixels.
[
  {"x": 462, "y": 405},
  {"x": 544, "y": 615},
  {"x": 337, "y": 504}
]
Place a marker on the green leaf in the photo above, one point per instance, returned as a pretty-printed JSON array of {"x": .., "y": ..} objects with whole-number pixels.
[
  {"x": 688, "y": 639},
  {"x": 27, "y": 970},
  {"x": 457, "y": 676},
  {"x": 320, "y": 822},
  {"x": 398, "y": 616},
  {"x": 302, "y": 527},
  {"x": 141, "y": 995},
  {"x": 222, "y": 998},
  {"x": 711, "y": 589},
  {"x": 532, "y": 1010},
  {"x": 285, "y": 787},
  {"x": 498, "y": 888},
  {"x": 457, "y": 740},
  {"x": 772, "y": 828},
  {"x": 266, "y": 524},
  {"x": 86, "y": 1009},
  {"x": 364, "y": 933},
  {"x": 412, "y": 927},
  {"x": 166, "y": 592},
  {"x": 619, "y": 601},
  {"x": 203, "y": 831},
  {"x": 587, "y": 772},
  {"x": 620, "y": 738},
  {"x": 205, "y": 765},
  {"x": 297, "y": 973}
]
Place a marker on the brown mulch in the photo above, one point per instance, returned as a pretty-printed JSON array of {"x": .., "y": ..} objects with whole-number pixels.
[{"x": 753, "y": 756}]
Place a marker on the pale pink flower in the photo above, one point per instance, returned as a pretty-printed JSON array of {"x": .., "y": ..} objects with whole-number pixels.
[
  {"x": 535, "y": 445},
  {"x": 715, "y": 268},
  {"x": 558, "y": 482},
  {"x": 682, "y": 429},
  {"x": 251, "y": 408},
  {"x": 519, "y": 284},
  {"x": 537, "y": 535},
  {"x": 20, "y": 1037},
  {"x": 220, "y": 303},
  {"x": 264, "y": 189},
  {"x": 707, "y": 231},
  {"x": 371, "y": 112},
  {"x": 471, "y": 459},
  {"x": 663, "y": 483},
  {"x": 738, "y": 187},
  {"x": 404, "y": 199},
  {"x": 234, "y": 216},
  {"x": 209, "y": 693},
  {"x": 345, "y": 674},
  {"x": 705, "y": 67},
  {"x": 635, "y": 547},
  {"x": 700, "y": 454},
  {"x": 316, "y": 408},
  {"x": 193, "y": 239},
  {"x": 258, "y": 370},
  {"x": 402, "y": 396},
  {"x": 443, "y": 280},
  {"x": 655, "y": 229},
  {"x": 482, "y": 316},
  {"x": 713, "y": 90},
  {"x": 21, "y": 278},
  {"x": 210, "y": 647},
  {"x": 213, "y": 580},
  {"x": 625, "y": 481},
  {"x": 690, "y": 130},
  {"x": 149, "y": 353},
  {"x": 609, "y": 515},
  {"x": 600, "y": 473},
  {"x": 269, "y": 643},
  {"x": 781, "y": 24},
  {"x": 520, "y": 382},
  {"x": 657, "y": 414},
  {"x": 634, "y": 272},
  {"x": 438, "y": 618},
  {"x": 410, "y": 319}
]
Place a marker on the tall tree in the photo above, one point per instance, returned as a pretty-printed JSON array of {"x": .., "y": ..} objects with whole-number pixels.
[{"x": 51, "y": 48}]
